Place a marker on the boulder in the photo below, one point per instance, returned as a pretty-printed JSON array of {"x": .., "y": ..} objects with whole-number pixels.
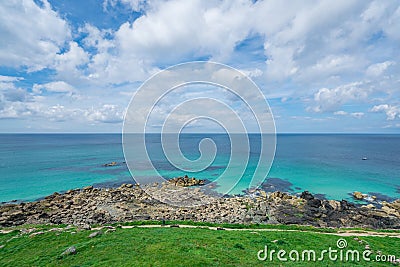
[
  {"x": 186, "y": 181},
  {"x": 69, "y": 251},
  {"x": 306, "y": 195},
  {"x": 94, "y": 234},
  {"x": 315, "y": 203},
  {"x": 358, "y": 195}
]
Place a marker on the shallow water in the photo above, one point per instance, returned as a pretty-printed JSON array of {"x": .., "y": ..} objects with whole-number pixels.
[{"x": 35, "y": 165}]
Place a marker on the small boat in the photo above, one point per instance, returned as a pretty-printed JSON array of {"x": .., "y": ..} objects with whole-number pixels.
[{"x": 364, "y": 158}]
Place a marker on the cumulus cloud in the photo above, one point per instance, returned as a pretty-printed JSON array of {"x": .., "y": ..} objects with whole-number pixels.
[
  {"x": 54, "y": 87},
  {"x": 60, "y": 113},
  {"x": 11, "y": 94},
  {"x": 31, "y": 34},
  {"x": 330, "y": 99},
  {"x": 68, "y": 64},
  {"x": 392, "y": 112},
  {"x": 321, "y": 54},
  {"x": 43, "y": 103},
  {"x": 168, "y": 33},
  {"x": 107, "y": 114},
  {"x": 296, "y": 47}
]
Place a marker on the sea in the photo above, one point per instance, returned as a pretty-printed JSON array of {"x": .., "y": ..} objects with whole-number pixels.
[{"x": 332, "y": 166}]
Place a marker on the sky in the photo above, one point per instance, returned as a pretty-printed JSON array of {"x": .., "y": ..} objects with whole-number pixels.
[{"x": 323, "y": 66}]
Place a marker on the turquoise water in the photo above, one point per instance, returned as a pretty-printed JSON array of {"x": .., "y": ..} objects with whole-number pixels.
[{"x": 36, "y": 165}]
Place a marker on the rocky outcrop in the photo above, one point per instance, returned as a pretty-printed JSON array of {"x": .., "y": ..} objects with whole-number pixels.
[
  {"x": 88, "y": 206},
  {"x": 186, "y": 181},
  {"x": 111, "y": 164},
  {"x": 358, "y": 195}
]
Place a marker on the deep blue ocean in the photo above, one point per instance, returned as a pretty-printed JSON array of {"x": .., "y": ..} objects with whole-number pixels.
[{"x": 35, "y": 165}]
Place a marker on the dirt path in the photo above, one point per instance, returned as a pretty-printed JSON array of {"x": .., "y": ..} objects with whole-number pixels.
[
  {"x": 339, "y": 233},
  {"x": 356, "y": 233}
]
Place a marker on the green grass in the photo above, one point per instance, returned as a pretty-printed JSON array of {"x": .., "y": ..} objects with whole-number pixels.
[{"x": 176, "y": 247}]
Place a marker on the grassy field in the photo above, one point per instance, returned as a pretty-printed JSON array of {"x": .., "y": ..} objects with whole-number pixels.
[{"x": 170, "y": 246}]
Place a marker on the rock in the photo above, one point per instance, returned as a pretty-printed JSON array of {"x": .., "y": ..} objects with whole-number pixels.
[
  {"x": 306, "y": 195},
  {"x": 36, "y": 233},
  {"x": 369, "y": 206},
  {"x": 84, "y": 207},
  {"x": 69, "y": 251},
  {"x": 111, "y": 164},
  {"x": 94, "y": 234},
  {"x": 186, "y": 181},
  {"x": 315, "y": 203},
  {"x": 278, "y": 195},
  {"x": 389, "y": 210},
  {"x": 394, "y": 205},
  {"x": 358, "y": 195},
  {"x": 334, "y": 204}
]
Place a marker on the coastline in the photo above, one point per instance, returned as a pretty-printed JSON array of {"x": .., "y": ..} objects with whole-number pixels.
[
  {"x": 92, "y": 206},
  {"x": 57, "y": 163}
]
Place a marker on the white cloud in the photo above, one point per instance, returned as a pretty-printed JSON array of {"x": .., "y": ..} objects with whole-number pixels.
[
  {"x": 330, "y": 65},
  {"x": 31, "y": 35},
  {"x": 107, "y": 114},
  {"x": 67, "y": 64},
  {"x": 378, "y": 68},
  {"x": 344, "y": 50},
  {"x": 340, "y": 112},
  {"x": 9, "y": 93},
  {"x": 54, "y": 87},
  {"x": 170, "y": 32},
  {"x": 59, "y": 113},
  {"x": 252, "y": 73},
  {"x": 392, "y": 112},
  {"x": 135, "y": 5},
  {"x": 9, "y": 79},
  {"x": 330, "y": 99},
  {"x": 357, "y": 115}
]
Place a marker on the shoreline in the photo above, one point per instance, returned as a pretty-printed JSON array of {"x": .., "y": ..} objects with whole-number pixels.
[
  {"x": 270, "y": 185},
  {"x": 89, "y": 206}
]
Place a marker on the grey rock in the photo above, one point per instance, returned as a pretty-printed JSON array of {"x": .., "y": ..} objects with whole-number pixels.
[
  {"x": 94, "y": 234},
  {"x": 69, "y": 251}
]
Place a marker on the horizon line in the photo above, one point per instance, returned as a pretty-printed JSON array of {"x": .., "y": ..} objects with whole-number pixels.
[{"x": 393, "y": 133}]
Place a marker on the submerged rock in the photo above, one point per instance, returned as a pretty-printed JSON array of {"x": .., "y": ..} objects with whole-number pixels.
[
  {"x": 111, "y": 164},
  {"x": 358, "y": 195}
]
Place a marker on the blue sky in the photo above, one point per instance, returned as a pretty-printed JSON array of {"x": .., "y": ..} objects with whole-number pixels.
[{"x": 324, "y": 66}]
